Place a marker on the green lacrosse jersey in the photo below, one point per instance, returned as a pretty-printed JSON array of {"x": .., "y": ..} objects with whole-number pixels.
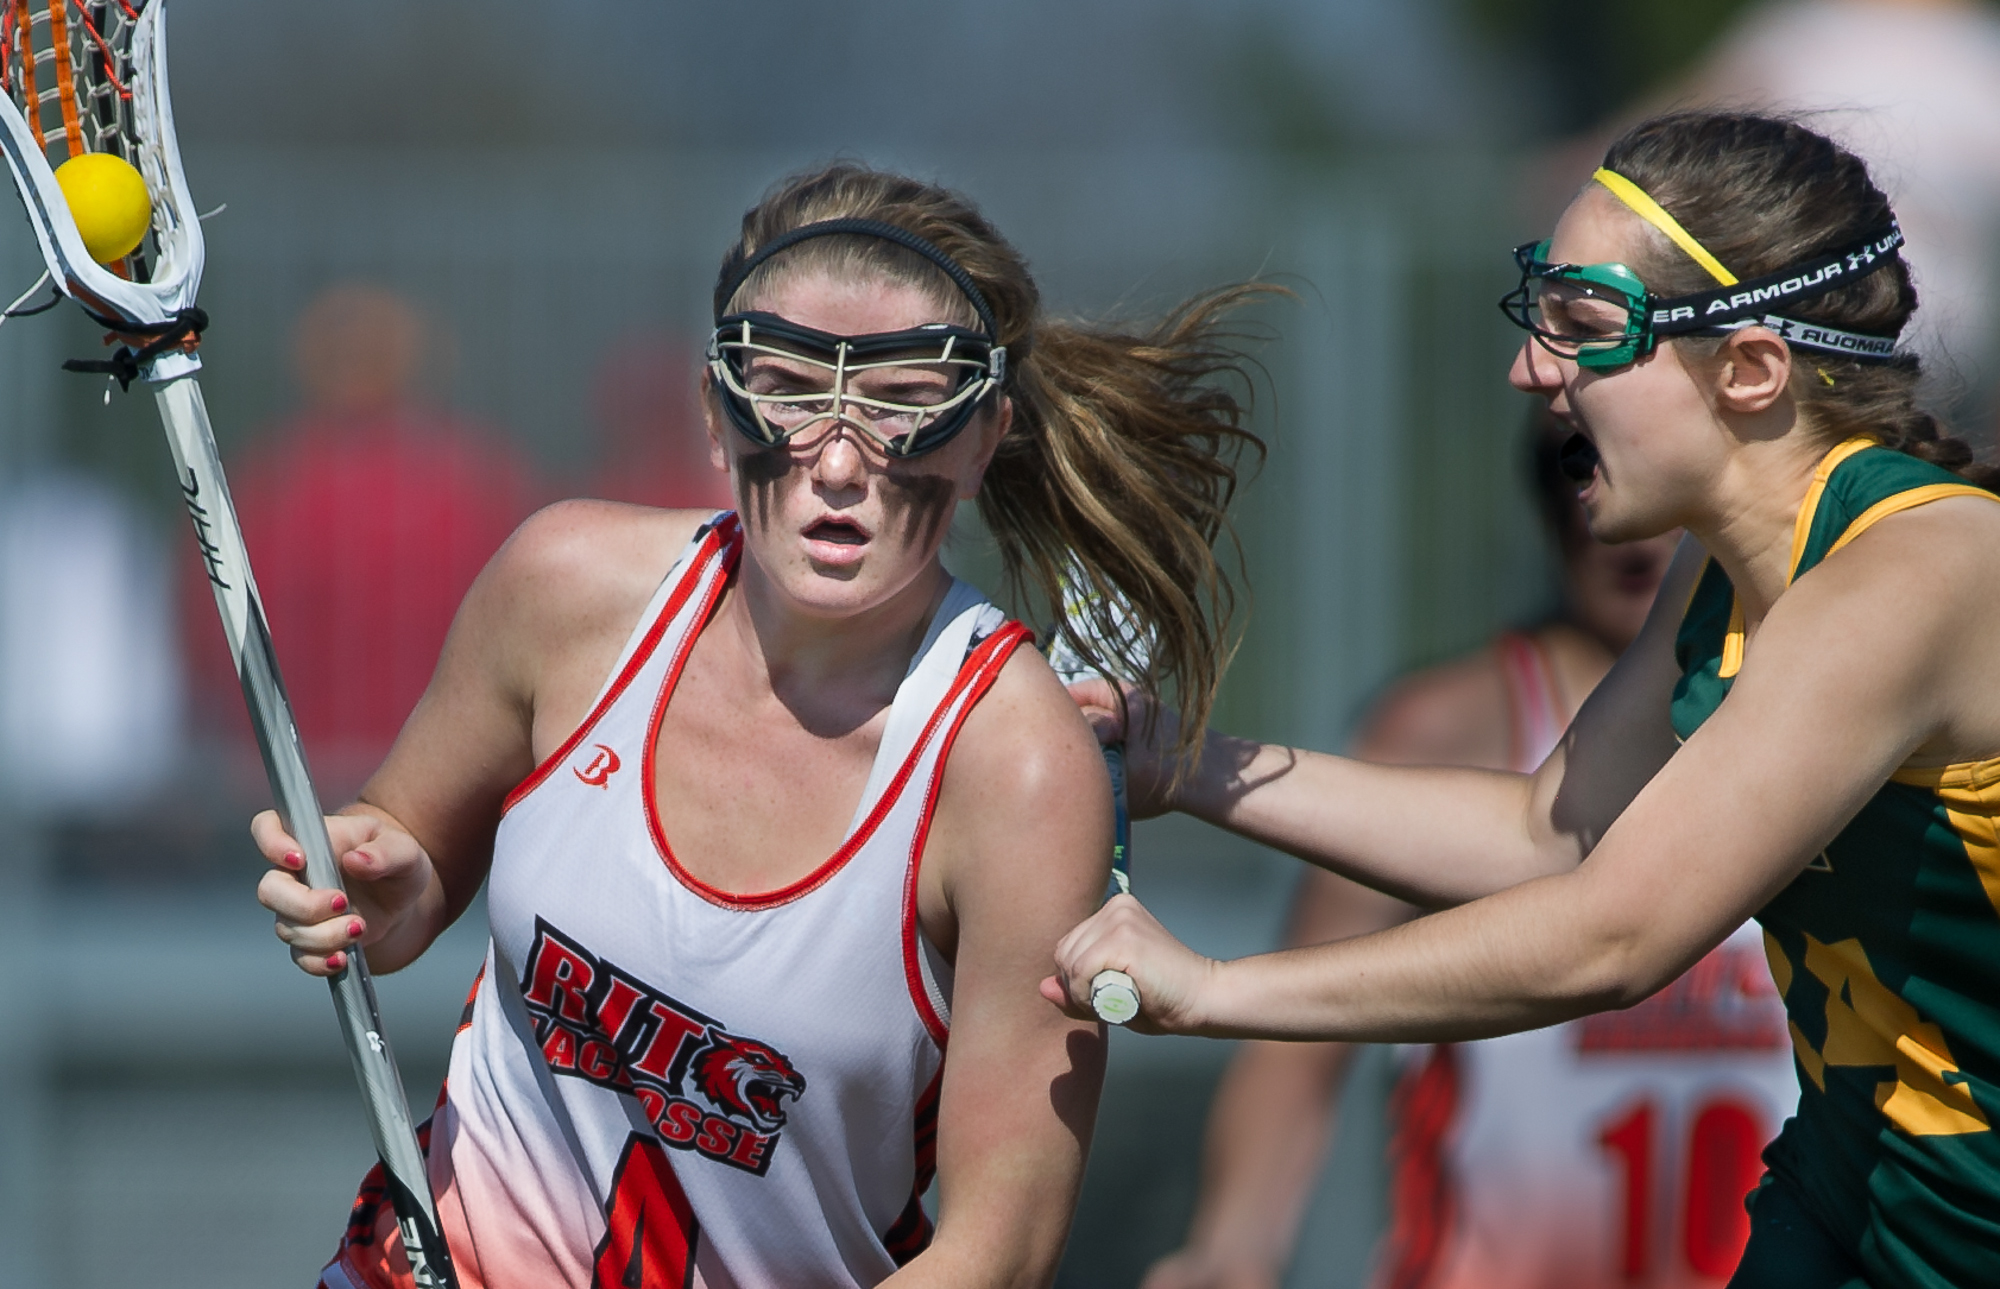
[{"x": 1886, "y": 949}]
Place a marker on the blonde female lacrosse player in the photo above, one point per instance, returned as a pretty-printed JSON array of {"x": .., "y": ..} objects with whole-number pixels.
[
  {"x": 1807, "y": 729},
  {"x": 771, "y": 807}
]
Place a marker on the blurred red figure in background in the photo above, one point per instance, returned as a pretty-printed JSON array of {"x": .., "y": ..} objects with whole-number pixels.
[
  {"x": 367, "y": 516},
  {"x": 648, "y": 406}
]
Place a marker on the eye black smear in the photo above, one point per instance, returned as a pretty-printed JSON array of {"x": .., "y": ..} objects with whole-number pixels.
[
  {"x": 921, "y": 502},
  {"x": 757, "y": 473}
]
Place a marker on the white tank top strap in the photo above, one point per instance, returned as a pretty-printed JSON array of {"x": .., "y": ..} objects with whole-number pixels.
[
  {"x": 962, "y": 620},
  {"x": 689, "y": 583}
]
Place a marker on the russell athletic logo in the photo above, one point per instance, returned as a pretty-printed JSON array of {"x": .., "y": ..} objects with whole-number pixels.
[
  {"x": 598, "y": 770},
  {"x": 721, "y": 1095}
]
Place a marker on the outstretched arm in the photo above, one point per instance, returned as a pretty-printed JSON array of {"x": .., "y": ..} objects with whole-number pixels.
[
  {"x": 1273, "y": 1112},
  {"x": 1020, "y": 849},
  {"x": 1438, "y": 836},
  {"x": 1882, "y": 653}
]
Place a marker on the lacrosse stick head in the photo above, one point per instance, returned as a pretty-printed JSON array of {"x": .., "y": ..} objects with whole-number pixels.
[
  {"x": 1097, "y": 633},
  {"x": 82, "y": 76}
]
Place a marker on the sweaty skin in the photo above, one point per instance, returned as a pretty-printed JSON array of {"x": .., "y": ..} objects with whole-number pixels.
[
  {"x": 760, "y": 759},
  {"x": 1625, "y": 858}
]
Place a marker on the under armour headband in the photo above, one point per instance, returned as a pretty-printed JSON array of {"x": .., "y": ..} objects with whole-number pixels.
[{"x": 1735, "y": 304}]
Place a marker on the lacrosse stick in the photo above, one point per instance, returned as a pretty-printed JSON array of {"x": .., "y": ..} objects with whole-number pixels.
[
  {"x": 1114, "y": 996},
  {"x": 90, "y": 76}
]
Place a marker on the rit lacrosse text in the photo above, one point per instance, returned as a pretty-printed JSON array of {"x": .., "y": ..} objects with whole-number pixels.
[{"x": 596, "y": 1022}]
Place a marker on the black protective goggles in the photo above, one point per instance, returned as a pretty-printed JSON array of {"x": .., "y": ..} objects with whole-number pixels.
[{"x": 784, "y": 384}]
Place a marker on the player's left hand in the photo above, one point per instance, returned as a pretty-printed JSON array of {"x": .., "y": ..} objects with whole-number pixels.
[{"x": 1123, "y": 936}]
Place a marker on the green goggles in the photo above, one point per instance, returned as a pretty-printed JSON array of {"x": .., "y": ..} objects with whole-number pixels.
[
  {"x": 1601, "y": 316},
  {"x": 1593, "y": 314}
]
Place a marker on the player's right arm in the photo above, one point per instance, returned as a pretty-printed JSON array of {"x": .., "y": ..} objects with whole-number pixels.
[
  {"x": 1442, "y": 836},
  {"x": 529, "y": 648}
]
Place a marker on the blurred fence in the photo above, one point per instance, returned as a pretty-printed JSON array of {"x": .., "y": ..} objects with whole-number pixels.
[{"x": 175, "y": 1098}]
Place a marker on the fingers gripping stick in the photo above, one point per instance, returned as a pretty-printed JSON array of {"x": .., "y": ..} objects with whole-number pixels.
[{"x": 1114, "y": 996}]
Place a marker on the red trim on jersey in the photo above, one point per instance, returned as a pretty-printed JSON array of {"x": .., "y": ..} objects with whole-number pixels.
[
  {"x": 911, "y": 1232},
  {"x": 471, "y": 996},
  {"x": 818, "y": 877},
  {"x": 1423, "y": 1193},
  {"x": 977, "y": 676},
  {"x": 726, "y": 532},
  {"x": 1535, "y": 715}
]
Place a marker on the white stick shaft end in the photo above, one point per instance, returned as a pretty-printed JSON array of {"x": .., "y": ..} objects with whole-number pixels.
[{"x": 1114, "y": 996}]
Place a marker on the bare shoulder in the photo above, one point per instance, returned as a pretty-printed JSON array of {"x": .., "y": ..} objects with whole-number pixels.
[
  {"x": 584, "y": 554},
  {"x": 1953, "y": 540},
  {"x": 1915, "y": 601},
  {"x": 1452, "y": 714},
  {"x": 1937, "y": 566},
  {"x": 579, "y": 565},
  {"x": 553, "y": 607},
  {"x": 1023, "y": 818},
  {"x": 1024, "y": 740}
]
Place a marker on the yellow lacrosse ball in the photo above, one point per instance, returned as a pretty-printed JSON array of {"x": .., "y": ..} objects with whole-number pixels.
[{"x": 108, "y": 199}]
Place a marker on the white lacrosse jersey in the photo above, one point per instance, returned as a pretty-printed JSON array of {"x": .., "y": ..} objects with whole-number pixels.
[
  {"x": 661, "y": 1084},
  {"x": 1610, "y": 1151}
]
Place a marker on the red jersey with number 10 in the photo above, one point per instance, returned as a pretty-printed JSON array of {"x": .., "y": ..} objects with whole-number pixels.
[{"x": 1611, "y": 1152}]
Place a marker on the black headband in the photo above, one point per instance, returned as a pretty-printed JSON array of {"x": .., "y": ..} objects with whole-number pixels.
[
  {"x": 1814, "y": 277},
  {"x": 732, "y": 279}
]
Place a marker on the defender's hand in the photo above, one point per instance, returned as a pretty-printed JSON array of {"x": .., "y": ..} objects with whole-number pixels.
[
  {"x": 1122, "y": 714},
  {"x": 1123, "y": 936},
  {"x": 384, "y": 869}
]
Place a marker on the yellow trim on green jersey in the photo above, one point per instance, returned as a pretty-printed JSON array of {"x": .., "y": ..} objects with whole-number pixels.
[
  {"x": 1886, "y": 950},
  {"x": 1970, "y": 794},
  {"x": 1733, "y": 643},
  {"x": 1809, "y": 508},
  {"x": 1905, "y": 501}
]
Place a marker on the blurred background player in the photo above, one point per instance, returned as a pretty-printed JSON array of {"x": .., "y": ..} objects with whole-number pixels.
[
  {"x": 368, "y": 513},
  {"x": 653, "y": 451},
  {"x": 1526, "y": 1160}
]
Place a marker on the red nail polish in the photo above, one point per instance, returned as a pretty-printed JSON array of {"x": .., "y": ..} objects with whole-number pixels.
[
  {"x": 294, "y": 860},
  {"x": 354, "y": 930},
  {"x": 336, "y": 961},
  {"x": 339, "y": 902}
]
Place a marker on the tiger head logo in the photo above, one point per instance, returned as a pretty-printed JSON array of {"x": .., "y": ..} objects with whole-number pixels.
[{"x": 747, "y": 1079}]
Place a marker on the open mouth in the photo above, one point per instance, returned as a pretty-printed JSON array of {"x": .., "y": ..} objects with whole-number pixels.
[
  {"x": 1578, "y": 459},
  {"x": 841, "y": 532}
]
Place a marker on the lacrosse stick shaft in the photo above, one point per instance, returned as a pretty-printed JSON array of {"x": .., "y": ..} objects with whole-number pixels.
[
  {"x": 1113, "y": 995},
  {"x": 221, "y": 540}
]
